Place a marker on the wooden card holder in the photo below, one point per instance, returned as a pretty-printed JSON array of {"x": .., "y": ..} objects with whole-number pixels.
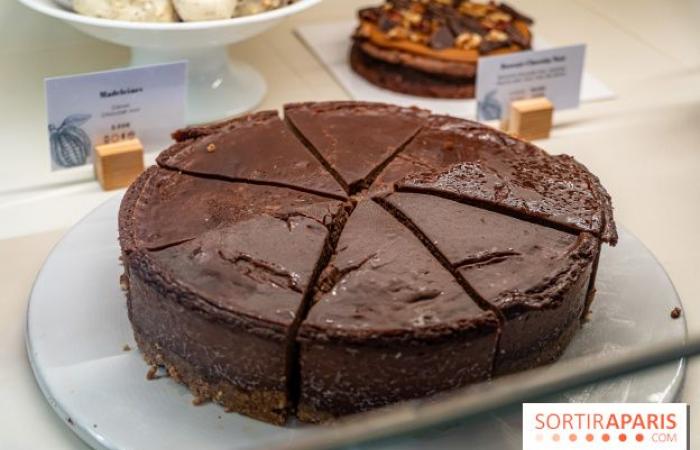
[
  {"x": 530, "y": 118},
  {"x": 118, "y": 164}
]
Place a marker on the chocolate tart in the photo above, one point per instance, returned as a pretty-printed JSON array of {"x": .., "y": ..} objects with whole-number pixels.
[
  {"x": 431, "y": 49},
  {"x": 353, "y": 255}
]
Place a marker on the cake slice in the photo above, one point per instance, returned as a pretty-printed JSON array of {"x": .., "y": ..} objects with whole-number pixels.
[
  {"x": 536, "y": 277},
  {"x": 496, "y": 171},
  {"x": 389, "y": 323},
  {"x": 354, "y": 139},
  {"x": 219, "y": 311},
  {"x": 218, "y": 275},
  {"x": 258, "y": 148}
]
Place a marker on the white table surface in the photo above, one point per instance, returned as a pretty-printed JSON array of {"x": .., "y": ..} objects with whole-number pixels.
[{"x": 644, "y": 145}]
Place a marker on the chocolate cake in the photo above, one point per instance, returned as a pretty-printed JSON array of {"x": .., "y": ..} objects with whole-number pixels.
[
  {"x": 431, "y": 48},
  {"x": 353, "y": 255}
]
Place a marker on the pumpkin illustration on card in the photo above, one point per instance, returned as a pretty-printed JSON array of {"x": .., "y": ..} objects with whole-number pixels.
[{"x": 70, "y": 144}]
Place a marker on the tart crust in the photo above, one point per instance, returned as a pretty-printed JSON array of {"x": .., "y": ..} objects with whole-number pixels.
[{"x": 261, "y": 404}]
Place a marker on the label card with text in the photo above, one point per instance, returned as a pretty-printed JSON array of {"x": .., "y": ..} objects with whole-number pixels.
[
  {"x": 105, "y": 107},
  {"x": 554, "y": 73}
]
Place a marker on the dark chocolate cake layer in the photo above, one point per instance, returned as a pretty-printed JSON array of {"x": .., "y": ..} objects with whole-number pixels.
[{"x": 462, "y": 254}]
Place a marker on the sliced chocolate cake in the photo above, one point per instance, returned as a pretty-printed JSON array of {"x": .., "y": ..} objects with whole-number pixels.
[
  {"x": 355, "y": 255},
  {"x": 473, "y": 163},
  {"x": 555, "y": 189}
]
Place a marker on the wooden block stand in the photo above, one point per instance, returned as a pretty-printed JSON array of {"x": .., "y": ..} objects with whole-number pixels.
[
  {"x": 118, "y": 164},
  {"x": 530, "y": 119}
]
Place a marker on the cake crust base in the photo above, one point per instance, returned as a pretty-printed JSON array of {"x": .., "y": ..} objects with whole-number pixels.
[{"x": 265, "y": 405}]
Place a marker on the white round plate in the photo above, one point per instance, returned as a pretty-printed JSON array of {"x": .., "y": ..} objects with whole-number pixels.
[{"x": 77, "y": 328}]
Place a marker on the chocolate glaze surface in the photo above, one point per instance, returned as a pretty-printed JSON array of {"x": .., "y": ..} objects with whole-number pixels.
[
  {"x": 511, "y": 174},
  {"x": 258, "y": 268},
  {"x": 167, "y": 207},
  {"x": 353, "y": 138},
  {"x": 256, "y": 148},
  {"x": 496, "y": 253},
  {"x": 442, "y": 143},
  {"x": 382, "y": 282}
]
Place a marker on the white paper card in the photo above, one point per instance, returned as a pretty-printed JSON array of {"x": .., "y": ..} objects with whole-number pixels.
[
  {"x": 330, "y": 42},
  {"x": 105, "y": 107},
  {"x": 554, "y": 73}
]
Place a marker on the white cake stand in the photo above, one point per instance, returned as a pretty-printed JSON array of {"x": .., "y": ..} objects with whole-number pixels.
[{"x": 218, "y": 86}]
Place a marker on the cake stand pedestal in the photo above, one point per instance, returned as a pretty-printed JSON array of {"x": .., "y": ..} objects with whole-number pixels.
[{"x": 218, "y": 87}]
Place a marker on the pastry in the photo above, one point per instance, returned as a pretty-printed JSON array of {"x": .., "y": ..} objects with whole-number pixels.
[
  {"x": 171, "y": 10},
  {"x": 194, "y": 10},
  {"x": 130, "y": 10},
  {"x": 431, "y": 48}
]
